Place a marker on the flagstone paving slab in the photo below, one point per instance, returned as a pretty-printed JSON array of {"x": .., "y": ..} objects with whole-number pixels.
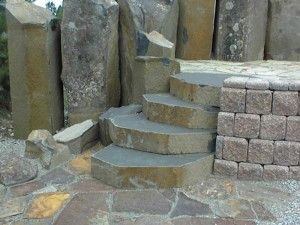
[
  {"x": 240, "y": 209},
  {"x": 26, "y": 188},
  {"x": 214, "y": 221},
  {"x": 144, "y": 220},
  {"x": 89, "y": 185},
  {"x": 58, "y": 176},
  {"x": 12, "y": 207},
  {"x": 262, "y": 213}
]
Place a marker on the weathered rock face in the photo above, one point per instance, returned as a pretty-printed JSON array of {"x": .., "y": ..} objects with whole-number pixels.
[
  {"x": 241, "y": 30},
  {"x": 195, "y": 29},
  {"x": 35, "y": 67},
  {"x": 282, "y": 41},
  {"x": 145, "y": 16},
  {"x": 90, "y": 57}
]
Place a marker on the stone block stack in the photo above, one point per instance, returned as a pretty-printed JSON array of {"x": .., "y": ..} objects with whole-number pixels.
[{"x": 258, "y": 130}]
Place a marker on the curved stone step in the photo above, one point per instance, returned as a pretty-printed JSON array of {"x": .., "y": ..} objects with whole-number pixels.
[
  {"x": 167, "y": 109},
  {"x": 199, "y": 88},
  {"x": 127, "y": 168},
  {"x": 136, "y": 132}
]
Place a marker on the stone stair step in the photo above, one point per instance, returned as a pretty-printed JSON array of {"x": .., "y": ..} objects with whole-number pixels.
[
  {"x": 199, "y": 88},
  {"x": 127, "y": 168},
  {"x": 136, "y": 132},
  {"x": 167, "y": 109}
]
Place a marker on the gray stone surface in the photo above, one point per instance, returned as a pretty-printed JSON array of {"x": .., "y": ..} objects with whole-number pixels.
[
  {"x": 260, "y": 151},
  {"x": 225, "y": 168},
  {"x": 272, "y": 127},
  {"x": 152, "y": 75},
  {"x": 235, "y": 149},
  {"x": 274, "y": 172},
  {"x": 257, "y": 84},
  {"x": 233, "y": 100},
  {"x": 113, "y": 112},
  {"x": 286, "y": 153},
  {"x": 294, "y": 85},
  {"x": 246, "y": 125},
  {"x": 293, "y": 128},
  {"x": 15, "y": 169},
  {"x": 285, "y": 103},
  {"x": 79, "y": 137},
  {"x": 259, "y": 101},
  {"x": 240, "y": 36},
  {"x": 294, "y": 173},
  {"x": 236, "y": 82},
  {"x": 90, "y": 58},
  {"x": 283, "y": 24},
  {"x": 249, "y": 171},
  {"x": 35, "y": 68},
  {"x": 279, "y": 85},
  {"x": 219, "y": 147},
  {"x": 145, "y": 16},
  {"x": 225, "y": 123}
]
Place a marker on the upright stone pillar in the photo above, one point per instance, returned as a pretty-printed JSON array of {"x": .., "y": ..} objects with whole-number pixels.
[
  {"x": 35, "y": 67},
  {"x": 240, "y": 30},
  {"x": 142, "y": 16},
  {"x": 195, "y": 29},
  {"x": 282, "y": 41},
  {"x": 90, "y": 57}
]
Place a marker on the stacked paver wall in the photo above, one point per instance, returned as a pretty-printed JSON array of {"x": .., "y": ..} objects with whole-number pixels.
[{"x": 258, "y": 130}]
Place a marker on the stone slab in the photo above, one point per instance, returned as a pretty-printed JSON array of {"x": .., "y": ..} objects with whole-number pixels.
[
  {"x": 246, "y": 125},
  {"x": 122, "y": 167},
  {"x": 249, "y": 171},
  {"x": 294, "y": 172},
  {"x": 286, "y": 153},
  {"x": 274, "y": 172},
  {"x": 219, "y": 147},
  {"x": 259, "y": 101},
  {"x": 26, "y": 188},
  {"x": 285, "y": 103},
  {"x": 235, "y": 149},
  {"x": 135, "y": 131},
  {"x": 225, "y": 124},
  {"x": 235, "y": 208},
  {"x": 225, "y": 168},
  {"x": 272, "y": 127},
  {"x": 233, "y": 100},
  {"x": 236, "y": 82},
  {"x": 257, "y": 84},
  {"x": 167, "y": 109},
  {"x": 293, "y": 128},
  {"x": 260, "y": 151}
]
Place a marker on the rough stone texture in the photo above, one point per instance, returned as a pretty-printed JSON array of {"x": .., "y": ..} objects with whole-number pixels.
[
  {"x": 294, "y": 85},
  {"x": 35, "y": 67},
  {"x": 233, "y": 100},
  {"x": 12, "y": 207},
  {"x": 167, "y": 109},
  {"x": 215, "y": 221},
  {"x": 286, "y": 153},
  {"x": 272, "y": 127},
  {"x": 274, "y": 172},
  {"x": 151, "y": 76},
  {"x": 285, "y": 103},
  {"x": 40, "y": 144},
  {"x": 2, "y": 191},
  {"x": 246, "y": 125},
  {"x": 257, "y": 84},
  {"x": 235, "y": 82},
  {"x": 283, "y": 24},
  {"x": 15, "y": 169},
  {"x": 293, "y": 128},
  {"x": 225, "y": 123},
  {"x": 58, "y": 176},
  {"x": 279, "y": 85},
  {"x": 139, "y": 169},
  {"x": 26, "y": 188},
  {"x": 89, "y": 185},
  {"x": 259, "y": 101},
  {"x": 240, "y": 36},
  {"x": 249, "y": 171},
  {"x": 146, "y": 16},
  {"x": 294, "y": 172},
  {"x": 235, "y": 149},
  {"x": 195, "y": 29},
  {"x": 113, "y": 112},
  {"x": 225, "y": 168},
  {"x": 154, "y": 44},
  {"x": 219, "y": 147},
  {"x": 90, "y": 58},
  {"x": 260, "y": 151},
  {"x": 235, "y": 208},
  {"x": 79, "y": 137}
]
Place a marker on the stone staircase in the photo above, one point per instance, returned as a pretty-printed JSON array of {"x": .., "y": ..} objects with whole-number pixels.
[{"x": 170, "y": 143}]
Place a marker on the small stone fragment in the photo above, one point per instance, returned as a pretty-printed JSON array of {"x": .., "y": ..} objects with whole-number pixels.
[
  {"x": 235, "y": 149},
  {"x": 272, "y": 127},
  {"x": 15, "y": 169},
  {"x": 225, "y": 168},
  {"x": 273, "y": 172},
  {"x": 286, "y": 153},
  {"x": 246, "y": 125},
  {"x": 225, "y": 123},
  {"x": 249, "y": 171},
  {"x": 232, "y": 100},
  {"x": 285, "y": 103},
  {"x": 257, "y": 84},
  {"x": 259, "y": 101},
  {"x": 260, "y": 151}
]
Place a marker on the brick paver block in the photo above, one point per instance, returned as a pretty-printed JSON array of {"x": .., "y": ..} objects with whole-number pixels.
[
  {"x": 235, "y": 82},
  {"x": 294, "y": 85},
  {"x": 225, "y": 168},
  {"x": 294, "y": 173},
  {"x": 286, "y": 153},
  {"x": 246, "y": 125},
  {"x": 293, "y": 128},
  {"x": 260, "y": 151},
  {"x": 272, "y": 127},
  {"x": 279, "y": 85},
  {"x": 225, "y": 123},
  {"x": 219, "y": 147},
  {"x": 235, "y": 149},
  {"x": 257, "y": 84},
  {"x": 273, "y": 172},
  {"x": 249, "y": 171},
  {"x": 285, "y": 103},
  {"x": 232, "y": 100},
  {"x": 259, "y": 101}
]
